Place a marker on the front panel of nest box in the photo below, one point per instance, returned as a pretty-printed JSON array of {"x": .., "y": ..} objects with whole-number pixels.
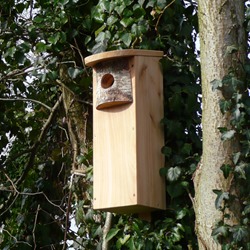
[{"x": 114, "y": 84}]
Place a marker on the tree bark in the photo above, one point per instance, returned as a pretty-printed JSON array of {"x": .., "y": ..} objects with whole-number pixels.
[
  {"x": 220, "y": 26},
  {"x": 76, "y": 119}
]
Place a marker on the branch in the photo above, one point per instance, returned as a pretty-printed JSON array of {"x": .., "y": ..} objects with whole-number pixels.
[
  {"x": 31, "y": 9},
  {"x": 67, "y": 221},
  {"x": 106, "y": 229},
  {"x": 158, "y": 20},
  {"x": 17, "y": 193},
  {"x": 19, "y": 72},
  {"x": 15, "y": 239},
  {"x": 80, "y": 54},
  {"x": 65, "y": 86},
  {"x": 26, "y": 100},
  {"x": 30, "y": 162},
  {"x": 34, "y": 228},
  {"x": 40, "y": 138}
]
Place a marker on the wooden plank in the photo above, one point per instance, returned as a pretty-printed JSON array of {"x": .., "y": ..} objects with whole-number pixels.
[
  {"x": 114, "y": 155},
  {"x": 105, "y": 56},
  {"x": 150, "y": 133}
]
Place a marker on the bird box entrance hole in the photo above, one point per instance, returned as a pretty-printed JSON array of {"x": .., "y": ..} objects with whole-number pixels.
[{"x": 107, "y": 81}]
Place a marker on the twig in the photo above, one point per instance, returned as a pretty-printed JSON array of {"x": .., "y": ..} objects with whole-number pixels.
[
  {"x": 73, "y": 141},
  {"x": 65, "y": 86},
  {"x": 26, "y": 100},
  {"x": 17, "y": 155},
  {"x": 39, "y": 140},
  {"x": 19, "y": 72},
  {"x": 67, "y": 221},
  {"x": 10, "y": 198},
  {"x": 16, "y": 241},
  {"x": 34, "y": 228},
  {"x": 67, "y": 62},
  {"x": 46, "y": 197},
  {"x": 31, "y": 9},
  {"x": 80, "y": 54},
  {"x": 33, "y": 150},
  {"x": 158, "y": 20},
  {"x": 106, "y": 229},
  {"x": 17, "y": 193},
  {"x": 12, "y": 184},
  {"x": 72, "y": 136}
]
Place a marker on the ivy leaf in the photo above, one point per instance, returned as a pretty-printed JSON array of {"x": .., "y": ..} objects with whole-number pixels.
[
  {"x": 173, "y": 173},
  {"x": 55, "y": 38},
  {"x": 41, "y": 47},
  {"x": 119, "y": 9},
  {"x": 74, "y": 72},
  {"x": 186, "y": 149},
  {"x": 163, "y": 171},
  {"x": 138, "y": 11},
  {"x": 112, "y": 233},
  {"x": 181, "y": 213},
  {"x": 219, "y": 231},
  {"x": 122, "y": 241},
  {"x": 20, "y": 219},
  {"x": 175, "y": 189},
  {"x": 63, "y": 2},
  {"x": 38, "y": 19},
  {"x": 139, "y": 29},
  {"x": 216, "y": 84},
  {"x": 240, "y": 170},
  {"x": 221, "y": 196},
  {"x": 125, "y": 22},
  {"x": 236, "y": 157},
  {"x": 102, "y": 35},
  {"x": 240, "y": 233},
  {"x": 225, "y": 105},
  {"x": 111, "y": 20},
  {"x": 141, "y": 2},
  {"x": 127, "y": 38},
  {"x": 99, "y": 47},
  {"x": 226, "y": 169},
  {"x": 10, "y": 52},
  {"x": 247, "y": 210},
  {"x": 79, "y": 215},
  {"x": 131, "y": 244},
  {"x": 228, "y": 135},
  {"x": 161, "y": 3},
  {"x": 167, "y": 151}
]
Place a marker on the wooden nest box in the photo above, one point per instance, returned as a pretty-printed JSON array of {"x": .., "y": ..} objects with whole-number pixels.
[{"x": 128, "y": 136}]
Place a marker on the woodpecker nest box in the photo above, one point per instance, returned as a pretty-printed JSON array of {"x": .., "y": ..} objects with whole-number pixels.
[{"x": 128, "y": 136}]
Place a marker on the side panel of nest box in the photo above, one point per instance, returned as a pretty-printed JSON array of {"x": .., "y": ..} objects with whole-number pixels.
[{"x": 113, "y": 83}]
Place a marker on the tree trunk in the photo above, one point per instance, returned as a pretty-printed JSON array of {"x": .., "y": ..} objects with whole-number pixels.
[
  {"x": 221, "y": 28},
  {"x": 76, "y": 119}
]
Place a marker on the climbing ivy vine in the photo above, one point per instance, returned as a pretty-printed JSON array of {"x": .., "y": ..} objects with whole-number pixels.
[
  {"x": 42, "y": 47},
  {"x": 235, "y": 103}
]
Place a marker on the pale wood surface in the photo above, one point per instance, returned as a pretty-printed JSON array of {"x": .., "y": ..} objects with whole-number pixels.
[
  {"x": 127, "y": 145},
  {"x": 149, "y": 134},
  {"x": 94, "y": 59}
]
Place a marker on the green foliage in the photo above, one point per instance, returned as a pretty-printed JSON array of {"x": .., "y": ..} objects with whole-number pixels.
[
  {"x": 149, "y": 25},
  {"x": 42, "y": 46},
  {"x": 133, "y": 233}
]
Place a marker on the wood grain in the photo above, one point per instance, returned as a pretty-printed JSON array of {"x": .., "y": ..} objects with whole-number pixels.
[{"x": 128, "y": 141}]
